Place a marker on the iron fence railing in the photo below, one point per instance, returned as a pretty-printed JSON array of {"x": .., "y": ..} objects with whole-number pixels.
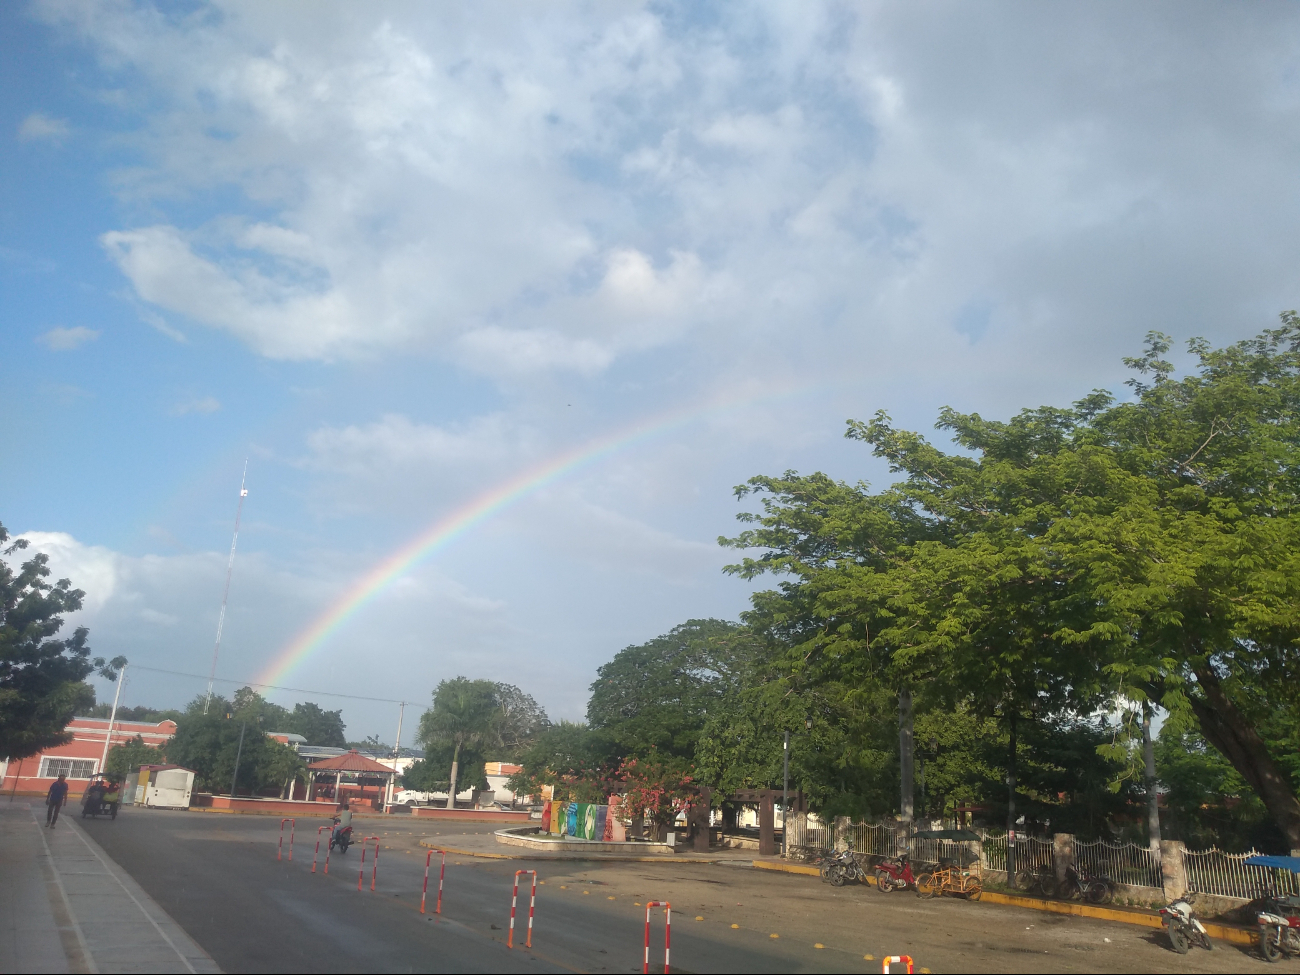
[
  {"x": 1213, "y": 871},
  {"x": 1124, "y": 863}
]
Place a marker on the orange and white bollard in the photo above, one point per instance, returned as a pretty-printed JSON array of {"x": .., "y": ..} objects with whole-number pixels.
[
  {"x": 317, "y": 853},
  {"x": 280, "y": 849},
  {"x": 891, "y": 959},
  {"x": 374, "y": 864},
  {"x": 441, "y": 873},
  {"x": 668, "y": 934},
  {"x": 510, "y": 938}
]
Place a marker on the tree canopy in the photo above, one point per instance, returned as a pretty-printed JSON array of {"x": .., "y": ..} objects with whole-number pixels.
[
  {"x": 1070, "y": 558},
  {"x": 42, "y": 676}
]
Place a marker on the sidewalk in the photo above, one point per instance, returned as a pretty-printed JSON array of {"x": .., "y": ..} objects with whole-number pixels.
[{"x": 67, "y": 907}]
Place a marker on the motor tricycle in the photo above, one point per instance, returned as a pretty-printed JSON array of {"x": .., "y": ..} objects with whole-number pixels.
[{"x": 1279, "y": 917}]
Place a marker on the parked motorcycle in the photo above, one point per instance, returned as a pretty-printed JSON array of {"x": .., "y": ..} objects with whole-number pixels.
[
  {"x": 895, "y": 873},
  {"x": 1183, "y": 927},
  {"x": 842, "y": 867}
]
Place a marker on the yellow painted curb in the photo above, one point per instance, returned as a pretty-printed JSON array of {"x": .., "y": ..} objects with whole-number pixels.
[
  {"x": 788, "y": 868},
  {"x": 1224, "y": 932}
]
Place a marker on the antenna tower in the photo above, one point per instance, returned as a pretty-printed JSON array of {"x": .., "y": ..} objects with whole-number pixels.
[{"x": 230, "y": 565}]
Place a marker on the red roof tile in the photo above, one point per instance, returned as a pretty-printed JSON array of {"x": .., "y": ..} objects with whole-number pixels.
[{"x": 353, "y": 761}]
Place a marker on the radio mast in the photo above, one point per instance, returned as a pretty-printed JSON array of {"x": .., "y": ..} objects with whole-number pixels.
[{"x": 230, "y": 565}]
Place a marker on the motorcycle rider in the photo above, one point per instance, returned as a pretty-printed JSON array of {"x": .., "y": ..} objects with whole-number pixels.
[{"x": 342, "y": 820}]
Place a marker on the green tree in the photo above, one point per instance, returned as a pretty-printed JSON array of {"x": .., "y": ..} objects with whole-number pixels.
[
  {"x": 659, "y": 695},
  {"x": 318, "y": 726},
  {"x": 519, "y": 722},
  {"x": 1070, "y": 558},
  {"x": 41, "y": 676},
  {"x": 568, "y": 756},
  {"x": 209, "y": 745},
  {"x": 126, "y": 758},
  {"x": 464, "y": 714}
]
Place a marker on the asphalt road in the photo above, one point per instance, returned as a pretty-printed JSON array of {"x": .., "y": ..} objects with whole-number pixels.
[{"x": 218, "y": 878}]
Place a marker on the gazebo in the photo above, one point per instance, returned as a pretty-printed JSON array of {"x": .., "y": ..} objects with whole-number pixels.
[{"x": 352, "y": 766}]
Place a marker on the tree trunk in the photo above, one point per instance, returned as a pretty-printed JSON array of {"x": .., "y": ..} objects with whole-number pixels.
[
  {"x": 1149, "y": 759},
  {"x": 1228, "y": 730},
  {"x": 455, "y": 767},
  {"x": 906, "y": 752}
]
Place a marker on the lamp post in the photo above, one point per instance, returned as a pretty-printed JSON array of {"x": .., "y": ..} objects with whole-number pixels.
[{"x": 785, "y": 790}]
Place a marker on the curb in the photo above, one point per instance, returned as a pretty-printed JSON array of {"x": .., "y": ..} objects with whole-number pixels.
[
  {"x": 257, "y": 812},
  {"x": 798, "y": 868},
  {"x": 570, "y": 857},
  {"x": 1149, "y": 919}
]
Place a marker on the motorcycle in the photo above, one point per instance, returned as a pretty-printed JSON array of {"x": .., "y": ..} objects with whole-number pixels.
[
  {"x": 895, "y": 873},
  {"x": 341, "y": 839},
  {"x": 841, "y": 867},
  {"x": 1183, "y": 927}
]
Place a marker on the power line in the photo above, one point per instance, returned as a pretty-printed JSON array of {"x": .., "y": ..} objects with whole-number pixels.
[{"x": 277, "y": 687}]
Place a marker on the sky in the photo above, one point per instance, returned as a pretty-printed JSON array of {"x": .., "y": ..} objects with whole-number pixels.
[{"x": 499, "y": 302}]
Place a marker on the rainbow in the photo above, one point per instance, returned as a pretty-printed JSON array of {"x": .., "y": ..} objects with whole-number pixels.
[{"x": 449, "y": 528}]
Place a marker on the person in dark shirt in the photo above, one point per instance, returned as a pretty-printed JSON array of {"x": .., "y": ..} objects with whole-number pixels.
[{"x": 55, "y": 798}]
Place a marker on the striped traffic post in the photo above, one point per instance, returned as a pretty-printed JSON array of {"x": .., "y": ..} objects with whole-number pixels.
[
  {"x": 668, "y": 934},
  {"x": 510, "y": 938},
  {"x": 891, "y": 959},
  {"x": 280, "y": 849},
  {"x": 317, "y": 853},
  {"x": 441, "y": 874},
  {"x": 374, "y": 864}
]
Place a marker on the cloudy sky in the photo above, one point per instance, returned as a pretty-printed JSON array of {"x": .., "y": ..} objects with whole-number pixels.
[{"x": 399, "y": 256}]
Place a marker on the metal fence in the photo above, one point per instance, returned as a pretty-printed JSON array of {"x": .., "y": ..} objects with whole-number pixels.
[
  {"x": 1124, "y": 863},
  {"x": 1215, "y": 872}
]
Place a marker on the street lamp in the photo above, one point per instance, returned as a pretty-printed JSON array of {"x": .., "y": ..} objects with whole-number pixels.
[{"x": 785, "y": 789}]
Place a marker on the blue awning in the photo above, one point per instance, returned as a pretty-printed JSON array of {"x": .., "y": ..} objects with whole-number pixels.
[{"x": 1277, "y": 863}]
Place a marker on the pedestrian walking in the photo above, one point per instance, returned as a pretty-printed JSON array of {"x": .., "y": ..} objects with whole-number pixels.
[{"x": 54, "y": 799}]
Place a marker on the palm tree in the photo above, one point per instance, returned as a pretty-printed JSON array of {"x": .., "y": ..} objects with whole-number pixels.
[{"x": 464, "y": 713}]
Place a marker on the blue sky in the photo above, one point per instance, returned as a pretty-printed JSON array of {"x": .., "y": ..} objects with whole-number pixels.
[{"x": 393, "y": 254}]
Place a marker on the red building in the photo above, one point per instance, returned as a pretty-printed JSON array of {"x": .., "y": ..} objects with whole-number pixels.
[{"x": 80, "y": 758}]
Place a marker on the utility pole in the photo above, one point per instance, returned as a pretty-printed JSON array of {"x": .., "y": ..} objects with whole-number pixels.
[
  {"x": 785, "y": 798},
  {"x": 1011, "y": 798},
  {"x": 906, "y": 752},
  {"x": 397, "y": 751},
  {"x": 108, "y": 738},
  {"x": 238, "y": 755},
  {"x": 1149, "y": 759},
  {"x": 225, "y": 595}
]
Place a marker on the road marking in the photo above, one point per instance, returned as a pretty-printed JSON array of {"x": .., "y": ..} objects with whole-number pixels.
[
  {"x": 698, "y": 917},
  {"x": 819, "y": 945},
  {"x": 774, "y": 935},
  {"x": 610, "y": 898},
  {"x": 564, "y": 886},
  {"x": 585, "y": 893},
  {"x": 735, "y": 925},
  {"x": 868, "y": 957}
]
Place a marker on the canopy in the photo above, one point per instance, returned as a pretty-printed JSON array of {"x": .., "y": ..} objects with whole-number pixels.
[
  {"x": 947, "y": 834},
  {"x": 1278, "y": 863}
]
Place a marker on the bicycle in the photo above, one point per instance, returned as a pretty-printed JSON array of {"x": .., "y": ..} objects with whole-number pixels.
[{"x": 1039, "y": 880}]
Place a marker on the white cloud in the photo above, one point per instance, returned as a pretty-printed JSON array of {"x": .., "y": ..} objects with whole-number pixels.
[
  {"x": 38, "y": 126},
  {"x": 203, "y": 405},
  {"x": 66, "y": 339}
]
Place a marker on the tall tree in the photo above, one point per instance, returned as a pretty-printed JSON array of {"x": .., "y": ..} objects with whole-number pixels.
[
  {"x": 41, "y": 675},
  {"x": 464, "y": 713},
  {"x": 1139, "y": 550},
  {"x": 318, "y": 726},
  {"x": 659, "y": 695},
  {"x": 520, "y": 721}
]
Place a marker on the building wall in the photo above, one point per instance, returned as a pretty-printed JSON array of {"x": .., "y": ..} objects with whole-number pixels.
[{"x": 79, "y": 758}]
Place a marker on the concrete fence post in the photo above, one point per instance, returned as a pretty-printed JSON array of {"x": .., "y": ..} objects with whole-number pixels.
[
  {"x": 1172, "y": 869},
  {"x": 1062, "y": 854}
]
